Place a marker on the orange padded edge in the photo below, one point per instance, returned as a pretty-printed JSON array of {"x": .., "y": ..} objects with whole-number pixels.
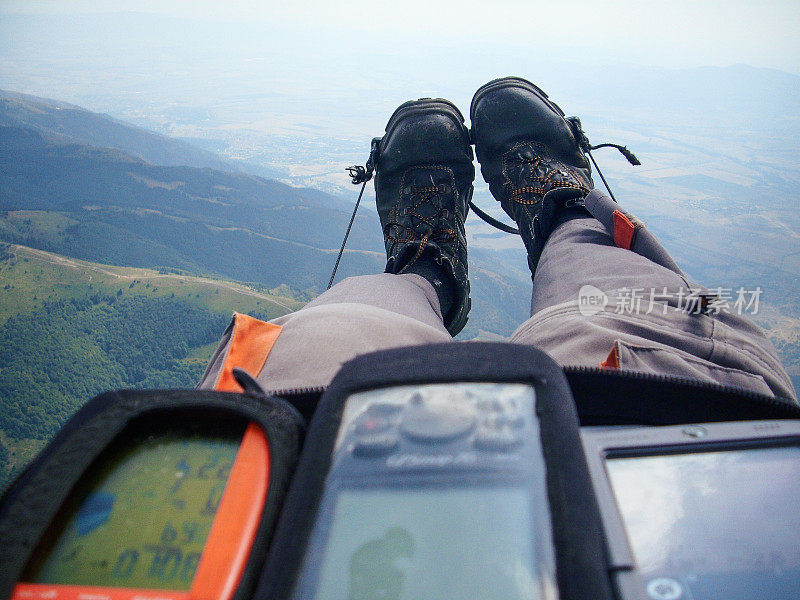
[
  {"x": 251, "y": 343},
  {"x": 623, "y": 230},
  {"x": 236, "y": 524}
]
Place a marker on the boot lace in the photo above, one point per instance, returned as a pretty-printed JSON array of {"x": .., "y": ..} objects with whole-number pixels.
[
  {"x": 422, "y": 220},
  {"x": 537, "y": 176}
]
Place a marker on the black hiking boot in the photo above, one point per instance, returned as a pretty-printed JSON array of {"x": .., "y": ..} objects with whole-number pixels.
[
  {"x": 530, "y": 157},
  {"x": 423, "y": 183}
]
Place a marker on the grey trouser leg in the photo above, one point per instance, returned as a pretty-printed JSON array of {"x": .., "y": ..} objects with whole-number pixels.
[
  {"x": 358, "y": 315},
  {"x": 660, "y": 337},
  {"x": 375, "y": 312}
]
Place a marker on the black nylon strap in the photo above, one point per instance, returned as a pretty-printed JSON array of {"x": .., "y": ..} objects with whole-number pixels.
[{"x": 492, "y": 221}]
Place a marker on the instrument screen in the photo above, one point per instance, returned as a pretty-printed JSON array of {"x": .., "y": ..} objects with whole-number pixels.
[
  {"x": 428, "y": 543},
  {"x": 141, "y": 515},
  {"x": 721, "y": 524}
]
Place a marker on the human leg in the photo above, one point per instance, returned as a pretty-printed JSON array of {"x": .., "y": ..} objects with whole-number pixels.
[
  {"x": 648, "y": 319},
  {"x": 532, "y": 158},
  {"x": 357, "y": 315},
  {"x": 423, "y": 182}
]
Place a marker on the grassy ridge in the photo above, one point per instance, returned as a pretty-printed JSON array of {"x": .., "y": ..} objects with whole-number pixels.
[
  {"x": 29, "y": 277},
  {"x": 70, "y": 329}
]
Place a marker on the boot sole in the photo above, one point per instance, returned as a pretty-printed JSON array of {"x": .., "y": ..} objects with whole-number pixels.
[{"x": 507, "y": 82}]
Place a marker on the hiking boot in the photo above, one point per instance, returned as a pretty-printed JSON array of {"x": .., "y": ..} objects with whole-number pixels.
[
  {"x": 529, "y": 156},
  {"x": 423, "y": 183}
]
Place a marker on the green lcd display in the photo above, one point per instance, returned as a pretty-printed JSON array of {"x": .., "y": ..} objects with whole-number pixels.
[{"x": 141, "y": 516}]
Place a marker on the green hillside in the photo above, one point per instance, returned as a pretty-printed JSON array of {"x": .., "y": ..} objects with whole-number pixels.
[{"x": 70, "y": 329}]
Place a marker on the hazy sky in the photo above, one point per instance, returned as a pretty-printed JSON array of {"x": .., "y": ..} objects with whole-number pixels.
[{"x": 679, "y": 33}]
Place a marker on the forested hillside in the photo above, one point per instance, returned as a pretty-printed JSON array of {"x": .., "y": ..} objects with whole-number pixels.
[
  {"x": 71, "y": 329},
  {"x": 69, "y": 350}
]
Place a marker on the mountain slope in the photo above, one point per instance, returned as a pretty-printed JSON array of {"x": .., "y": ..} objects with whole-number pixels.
[
  {"x": 76, "y": 124},
  {"x": 67, "y": 123},
  {"x": 70, "y": 329},
  {"x": 103, "y": 205},
  {"x": 128, "y": 212}
]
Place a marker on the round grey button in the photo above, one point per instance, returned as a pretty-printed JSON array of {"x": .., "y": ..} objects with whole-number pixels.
[{"x": 434, "y": 421}]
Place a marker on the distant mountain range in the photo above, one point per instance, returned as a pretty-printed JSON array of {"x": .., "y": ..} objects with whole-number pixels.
[
  {"x": 132, "y": 213},
  {"x": 68, "y": 123}
]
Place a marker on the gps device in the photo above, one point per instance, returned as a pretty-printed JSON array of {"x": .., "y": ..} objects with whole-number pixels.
[
  {"x": 434, "y": 487},
  {"x": 439, "y": 483},
  {"x": 167, "y": 495},
  {"x": 699, "y": 512}
]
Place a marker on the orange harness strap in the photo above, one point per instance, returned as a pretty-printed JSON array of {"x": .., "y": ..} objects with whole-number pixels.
[
  {"x": 624, "y": 230},
  {"x": 250, "y": 345}
]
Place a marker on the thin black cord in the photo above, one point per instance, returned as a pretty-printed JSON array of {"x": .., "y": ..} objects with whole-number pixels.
[
  {"x": 599, "y": 172},
  {"x": 347, "y": 233},
  {"x": 492, "y": 221}
]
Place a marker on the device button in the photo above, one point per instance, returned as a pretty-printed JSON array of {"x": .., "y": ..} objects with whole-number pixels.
[
  {"x": 383, "y": 409},
  {"x": 437, "y": 421},
  {"x": 496, "y": 440},
  {"x": 368, "y": 425},
  {"x": 664, "y": 588},
  {"x": 378, "y": 444},
  {"x": 501, "y": 421}
]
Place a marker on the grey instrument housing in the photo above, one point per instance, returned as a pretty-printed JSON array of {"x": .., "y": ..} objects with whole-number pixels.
[{"x": 603, "y": 443}]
